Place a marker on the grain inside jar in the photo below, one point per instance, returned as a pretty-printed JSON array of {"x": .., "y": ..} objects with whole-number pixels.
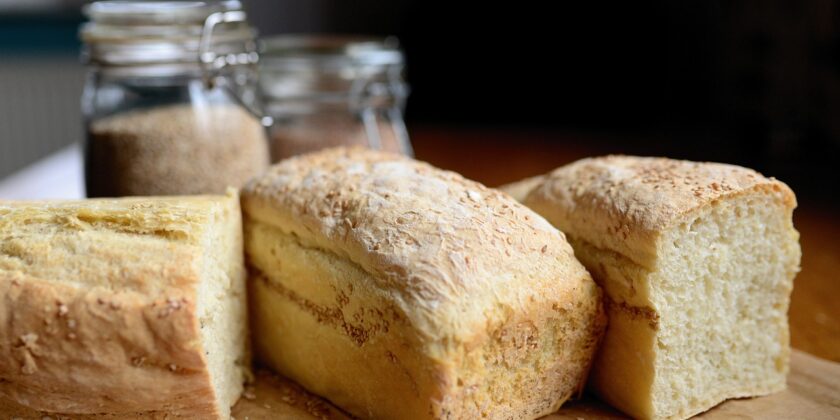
[
  {"x": 314, "y": 132},
  {"x": 176, "y": 149},
  {"x": 325, "y": 90}
]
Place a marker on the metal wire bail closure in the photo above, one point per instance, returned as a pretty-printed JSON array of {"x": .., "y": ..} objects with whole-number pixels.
[
  {"x": 211, "y": 62},
  {"x": 360, "y": 92}
]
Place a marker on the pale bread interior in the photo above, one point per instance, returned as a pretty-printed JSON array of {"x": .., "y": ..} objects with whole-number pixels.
[
  {"x": 222, "y": 308},
  {"x": 722, "y": 290},
  {"x": 709, "y": 321}
]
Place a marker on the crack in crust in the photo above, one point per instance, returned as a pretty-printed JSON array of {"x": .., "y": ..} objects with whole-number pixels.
[
  {"x": 635, "y": 312},
  {"x": 332, "y": 316}
]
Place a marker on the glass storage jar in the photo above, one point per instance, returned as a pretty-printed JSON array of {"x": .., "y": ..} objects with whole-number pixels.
[
  {"x": 324, "y": 91},
  {"x": 170, "y": 102}
]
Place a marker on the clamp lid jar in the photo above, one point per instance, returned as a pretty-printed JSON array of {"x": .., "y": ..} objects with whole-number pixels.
[
  {"x": 324, "y": 91},
  {"x": 170, "y": 101}
]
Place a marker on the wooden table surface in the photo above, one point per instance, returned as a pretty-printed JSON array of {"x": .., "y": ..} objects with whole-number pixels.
[{"x": 501, "y": 156}]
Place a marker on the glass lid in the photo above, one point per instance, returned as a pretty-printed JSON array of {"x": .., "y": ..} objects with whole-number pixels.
[
  {"x": 156, "y": 12},
  {"x": 122, "y": 33},
  {"x": 329, "y": 67},
  {"x": 329, "y": 51}
]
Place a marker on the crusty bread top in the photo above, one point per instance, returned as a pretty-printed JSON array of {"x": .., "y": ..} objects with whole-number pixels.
[
  {"x": 120, "y": 244},
  {"x": 450, "y": 252},
  {"x": 622, "y": 203}
]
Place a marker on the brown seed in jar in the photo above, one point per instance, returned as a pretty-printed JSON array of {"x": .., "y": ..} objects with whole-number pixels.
[
  {"x": 315, "y": 132},
  {"x": 174, "y": 149}
]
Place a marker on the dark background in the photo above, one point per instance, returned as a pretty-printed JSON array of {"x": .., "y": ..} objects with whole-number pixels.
[
  {"x": 749, "y": 82},
  {"x": 754, "y": 83}
]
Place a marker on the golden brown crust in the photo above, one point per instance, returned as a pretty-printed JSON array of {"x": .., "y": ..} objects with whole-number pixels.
[
  {"x": 622, "y": 203},
  {"x": 98, "y": 306},
  {"x": 485, "y": 289},
  {"x": 74, "y": 350},
  {"x": 676, "y": 244},
  {"x": 429, "y": 236}
]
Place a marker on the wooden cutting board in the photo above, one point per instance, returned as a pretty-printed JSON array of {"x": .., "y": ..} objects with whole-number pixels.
[{"x": 813, "y": 393}]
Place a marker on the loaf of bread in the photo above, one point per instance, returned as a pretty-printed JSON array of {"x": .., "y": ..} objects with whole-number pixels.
[
  {"x": 697, "y": 261},
  {"x": 123, "y": 308},
  {"x": 520, "y": 189},
  {"x": 398, "y": 290}
]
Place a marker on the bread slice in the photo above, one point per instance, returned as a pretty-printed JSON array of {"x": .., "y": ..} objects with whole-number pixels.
[
  {"x": 398, "y": 290},
  {"x": 123, "y": 307},
  {"x": 697, "y": 260}
]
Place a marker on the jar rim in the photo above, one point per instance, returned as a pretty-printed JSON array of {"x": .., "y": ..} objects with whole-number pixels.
[
  {"x": 135, "y": 33},
  {"x": 155, "y": 12},
  {"x": 328, "y": 68}
]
